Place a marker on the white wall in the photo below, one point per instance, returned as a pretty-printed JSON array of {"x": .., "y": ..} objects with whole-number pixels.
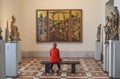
[
  {"x": 0, "y": 9},
  {"x": 91, "y": 19}
]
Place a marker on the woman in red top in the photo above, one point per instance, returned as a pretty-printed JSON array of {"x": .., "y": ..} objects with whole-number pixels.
[{"x": 54, "y": 57}]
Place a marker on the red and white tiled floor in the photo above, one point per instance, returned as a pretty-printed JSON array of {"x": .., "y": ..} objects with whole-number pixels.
[{"x": 89, "y": 68}]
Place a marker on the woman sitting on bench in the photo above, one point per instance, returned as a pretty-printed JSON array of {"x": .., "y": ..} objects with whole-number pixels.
[{"x": 54, "y": 57}]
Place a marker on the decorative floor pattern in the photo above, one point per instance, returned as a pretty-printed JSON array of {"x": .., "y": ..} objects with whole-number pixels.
[{"x": 89, "y": 68}]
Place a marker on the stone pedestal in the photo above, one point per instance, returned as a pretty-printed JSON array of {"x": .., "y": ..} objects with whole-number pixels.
[
  {"x": 114, "y": 59},
  {"x": 106, "y": 58},
  {"x": 98, "y": 51},
  {"x": 2, "y": 59},
  {"x": 12, "y": 59}
]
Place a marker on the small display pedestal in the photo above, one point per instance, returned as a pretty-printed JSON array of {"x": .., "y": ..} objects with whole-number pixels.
[
  {"x": 2, "y": 59},
  {"x": 98, "y": 51},
  {"x": 114, "y": 59},
  {"x": 12, "y": 59},
  {"x": 106, "y": 58}
]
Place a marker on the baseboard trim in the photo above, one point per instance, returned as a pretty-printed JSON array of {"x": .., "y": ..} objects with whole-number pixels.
[{"x": 62, "y": 54}]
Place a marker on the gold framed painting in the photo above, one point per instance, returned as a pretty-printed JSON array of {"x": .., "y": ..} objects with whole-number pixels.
[{"x": 61, "y": 25}]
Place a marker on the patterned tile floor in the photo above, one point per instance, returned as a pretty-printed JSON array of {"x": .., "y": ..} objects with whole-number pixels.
[{"x": 89, "y": 68}]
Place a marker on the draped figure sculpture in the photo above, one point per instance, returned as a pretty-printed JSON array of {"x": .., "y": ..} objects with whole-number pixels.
[
  {"x": 107, "y": 29},
  {"x": 115, "y": 24},
  {"x": 15, "y": 35}
]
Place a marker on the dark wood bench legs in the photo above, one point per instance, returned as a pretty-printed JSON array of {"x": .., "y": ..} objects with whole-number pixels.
[
  {"x": 47, "y": 68},
  {"x": 73, "y": 68}
]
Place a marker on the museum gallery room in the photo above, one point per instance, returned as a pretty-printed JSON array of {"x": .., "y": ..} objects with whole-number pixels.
[{"x": 59, "y": 39}]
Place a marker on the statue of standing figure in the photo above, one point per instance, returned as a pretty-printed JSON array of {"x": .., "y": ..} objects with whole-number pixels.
[
  {"x": 115, "y": 24},
  {"x": 0, "y": 32},
  {"x": 15, "y": 35},
  {"x": 107, "y": 29},
  {"x": 98, "y": 33}
]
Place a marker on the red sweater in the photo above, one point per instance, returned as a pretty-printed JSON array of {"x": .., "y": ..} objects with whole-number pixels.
[{"x": 54, "y": 55}]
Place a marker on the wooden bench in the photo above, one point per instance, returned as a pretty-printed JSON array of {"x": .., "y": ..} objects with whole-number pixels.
[{"x": 73, "y": 65}]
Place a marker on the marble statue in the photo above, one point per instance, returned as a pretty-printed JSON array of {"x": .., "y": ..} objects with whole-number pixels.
[
  {"x": 98, "y": 33},
  {"x": 0, "y": 32},
  {"x": 15, "y": 35}
]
